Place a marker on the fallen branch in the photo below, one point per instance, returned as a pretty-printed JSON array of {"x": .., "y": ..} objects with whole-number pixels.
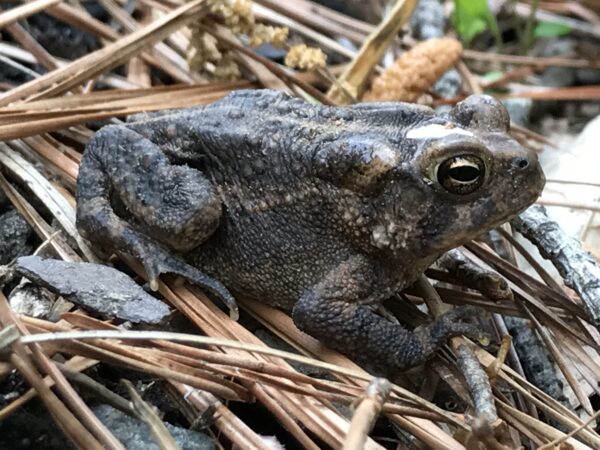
[{"x": 577, "y": 267}]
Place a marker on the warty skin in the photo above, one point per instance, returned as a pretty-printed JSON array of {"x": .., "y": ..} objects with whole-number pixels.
[{"x": 322, "y": 211}]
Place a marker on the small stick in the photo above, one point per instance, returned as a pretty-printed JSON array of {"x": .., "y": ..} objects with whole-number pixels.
[
  {"x": 576, "y": 266},
  {"x": 559, "y": 440},
  {"x": 114, "y": 400},
  {"x": 372, "y": 50},
  {"x": 366, "y": 413},
  {"x": 478, "y": 384}
]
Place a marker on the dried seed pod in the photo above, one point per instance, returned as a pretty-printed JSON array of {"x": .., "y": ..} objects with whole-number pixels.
[
  {"x": 276, "y": 36},
  {"x": 203, "y": 54},
  {"x": 415, "y": 71},
  {"x": 305, "y": 58}
]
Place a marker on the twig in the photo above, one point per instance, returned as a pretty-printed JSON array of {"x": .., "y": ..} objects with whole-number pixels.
[
  {"x": 366, "y": 413},
  {"x": 493, "y": 370},
  {"x": 554, "y": 61},
  {"x": 100, "y": 390},
  {"x": 65, "y": 419},
  {"x": 576, "y": 182},
  {"x": 20, "y": 67},
  {"x": 77, "y": 363},
  {"x": 568, "y": 204},
  {"x": 204, "y": 403},
  {"x": 8, "y": 335},
  {"x": 577, "y": 267},
  {"x": 21, "y": 12},
  {"x": 24, "y": 38},
  {"x": 578, "y": 26},
  {"x": 478, "y": 384},
  {"x": 95, "y": 63}
]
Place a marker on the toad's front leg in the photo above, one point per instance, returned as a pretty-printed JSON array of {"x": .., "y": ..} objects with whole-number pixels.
[
  {"x": 332, "y": 312},
  {"x": 162, "y": 207}
]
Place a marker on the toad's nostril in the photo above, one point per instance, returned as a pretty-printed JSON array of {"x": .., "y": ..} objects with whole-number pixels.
[{"x": 522, "y": 163}]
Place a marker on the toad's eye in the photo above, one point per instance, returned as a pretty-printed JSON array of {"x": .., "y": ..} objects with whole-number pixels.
[{"x": 461, "y": 174}]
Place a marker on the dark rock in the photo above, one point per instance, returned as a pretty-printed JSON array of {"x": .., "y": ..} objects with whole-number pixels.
[
  {"x": 61, "y": 39},
  {"x": 14, "y": 233},
  {"x": 557, "y": 76},
  {"x": 135, "y": 434},
  {"x": 95, "y": 287},
  {"x": 367, "y": 10},
  {"x": 587, "y": 76},
  {"x": 32, "y": 428},
  {"x": 535, "y": 359}
]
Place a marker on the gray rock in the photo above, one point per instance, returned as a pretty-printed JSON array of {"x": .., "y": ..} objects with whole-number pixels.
[
  {"x": 587, "y": 76},
  {"x": 95, "y": 287},
  {"x": 448, "y": 85},
  {"x": 519, "y": 109},
  {"x": 14, "y": 233},
  {"x": 536, "y": 361},
  {"x": 428, "y": 20},
  {"x": 135, "y": 434},
  {"x": 557, "y": 76},
  {"x": 31, "y": 300}
]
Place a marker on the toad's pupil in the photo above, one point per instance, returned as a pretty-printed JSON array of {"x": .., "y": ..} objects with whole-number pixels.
[
  {"x": 464, "y": 173},
  {"x": 461, "y": 174}
]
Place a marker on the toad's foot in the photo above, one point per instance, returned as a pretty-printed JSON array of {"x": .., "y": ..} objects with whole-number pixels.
[
  {"x": 489, "y": 283},
  {"x": 156, "y": 261},
  {"x": 437, "y": 333}
]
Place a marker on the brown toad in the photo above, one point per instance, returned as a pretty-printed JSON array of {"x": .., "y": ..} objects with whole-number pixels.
[{"x": 322, "y": 211}]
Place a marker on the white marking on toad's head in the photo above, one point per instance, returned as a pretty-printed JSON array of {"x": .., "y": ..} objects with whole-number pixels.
[{"x": 435, "y": 131}]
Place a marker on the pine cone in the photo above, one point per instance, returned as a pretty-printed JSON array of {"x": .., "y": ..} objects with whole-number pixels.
[{"x": 415, "y": 71}]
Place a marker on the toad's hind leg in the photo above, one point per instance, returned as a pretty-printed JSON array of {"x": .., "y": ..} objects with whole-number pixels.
[
  {"x": 332, "y": 312},
  {"x": 176, "y": 205}
]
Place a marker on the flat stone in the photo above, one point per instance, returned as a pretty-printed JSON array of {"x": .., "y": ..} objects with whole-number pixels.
[{"x": 95, "y": 287}]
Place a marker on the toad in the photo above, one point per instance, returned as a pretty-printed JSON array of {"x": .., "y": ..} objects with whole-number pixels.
[{"x": 321, "y": 211}]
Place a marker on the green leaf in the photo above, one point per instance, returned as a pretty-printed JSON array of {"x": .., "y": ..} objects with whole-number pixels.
[
  {"x": 472, "y": 17},
  {"x": 492, "y": 76},
  {"x": 551, "y": 29},
  {"x": 468, "y": 29}
]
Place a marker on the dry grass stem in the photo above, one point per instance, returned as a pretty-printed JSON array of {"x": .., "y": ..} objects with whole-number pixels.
[
  {"x": 366, "y": 413},
  {"x": 144, "y": 412},
  {"x": 354, "y": 78}
]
